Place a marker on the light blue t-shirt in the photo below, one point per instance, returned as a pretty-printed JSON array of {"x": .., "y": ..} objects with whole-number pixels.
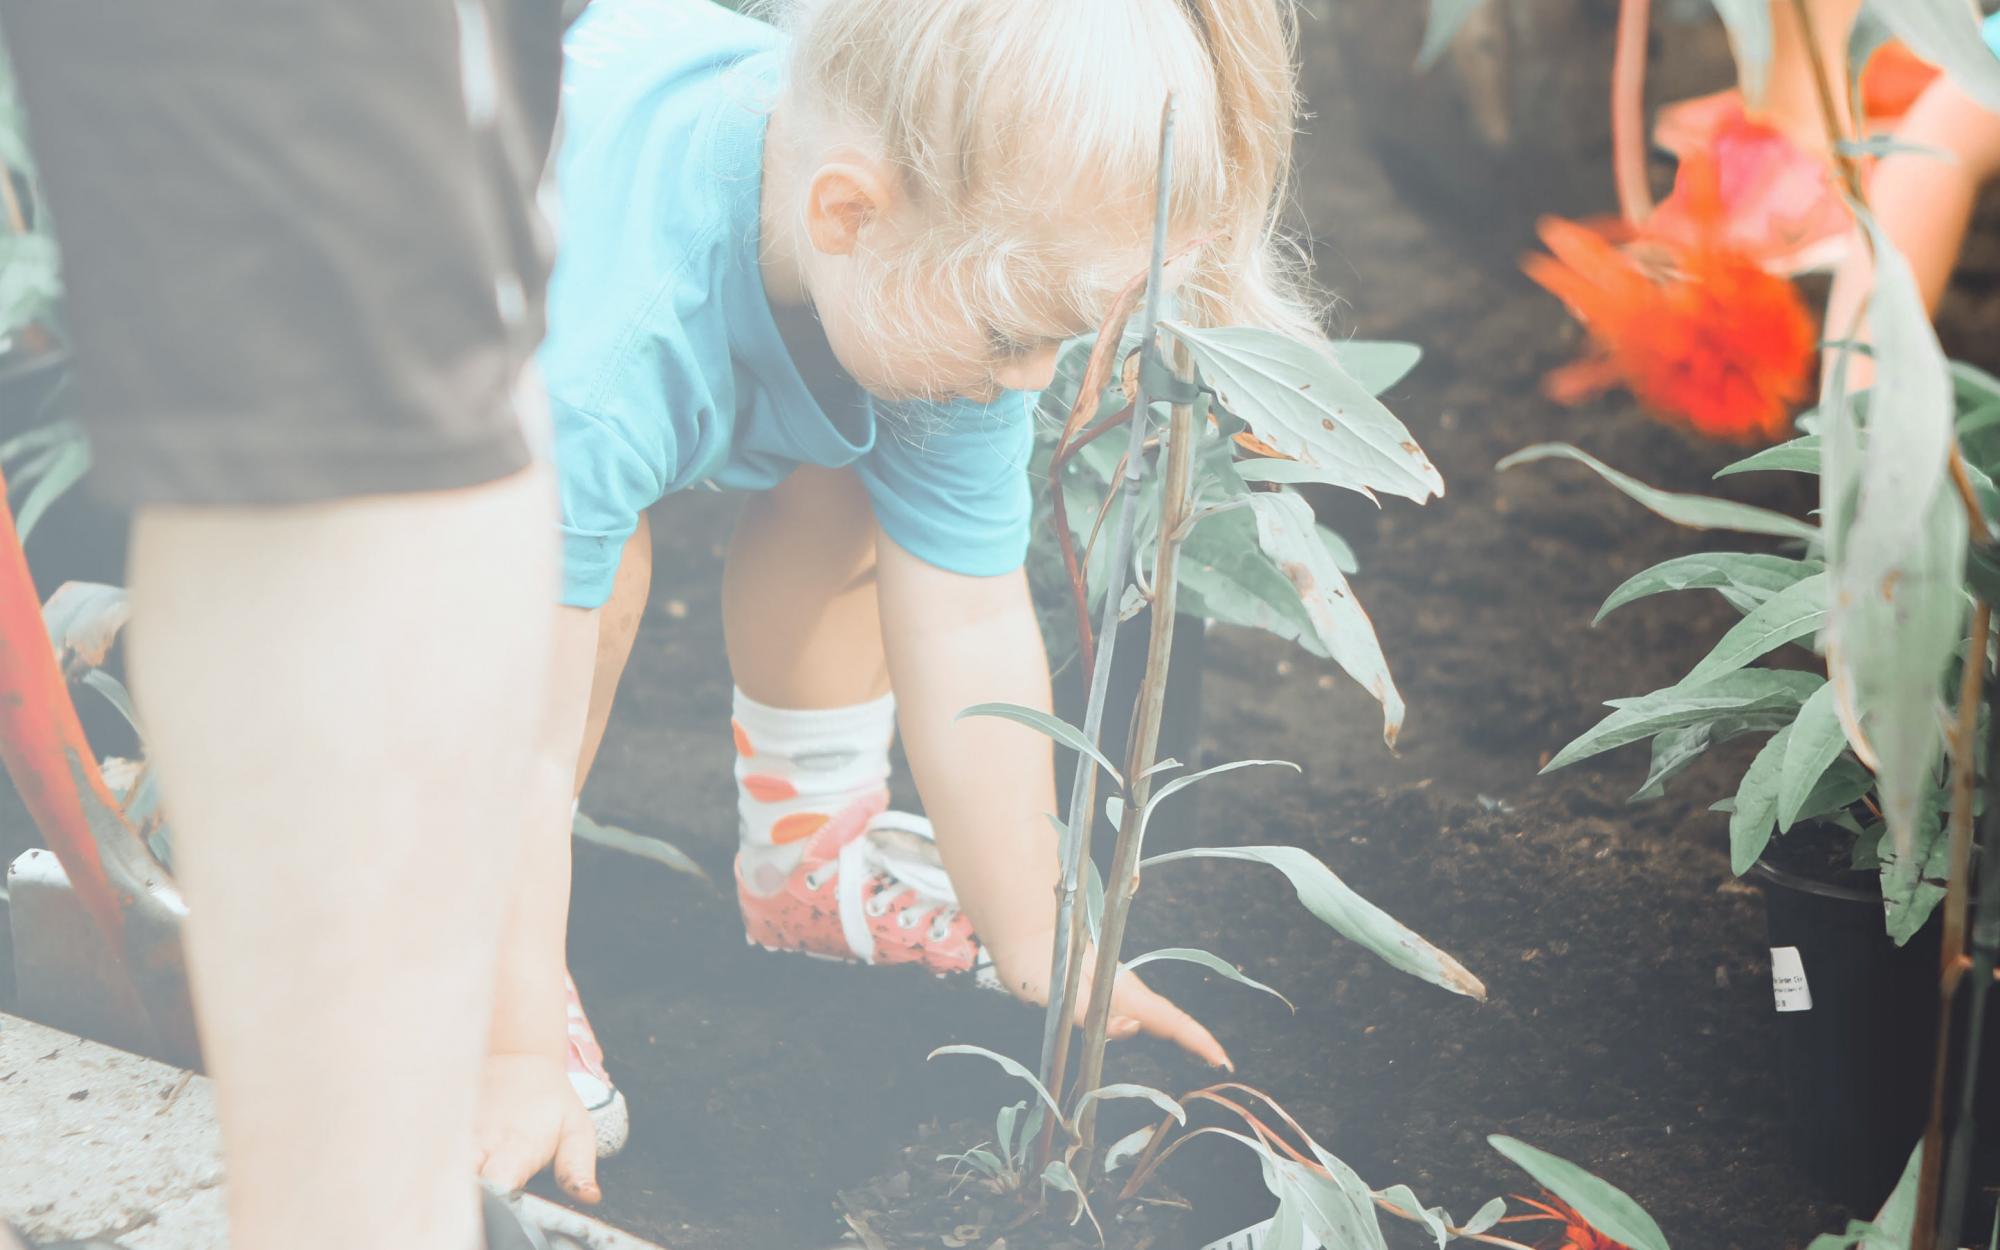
[{"x": 664, "y": 365}]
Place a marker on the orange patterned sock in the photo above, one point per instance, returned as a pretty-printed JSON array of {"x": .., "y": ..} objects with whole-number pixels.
[{"x": 795, "y": 769}]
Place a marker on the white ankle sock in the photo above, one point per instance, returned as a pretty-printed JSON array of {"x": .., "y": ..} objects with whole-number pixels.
[{"x": 795, "y": 769}]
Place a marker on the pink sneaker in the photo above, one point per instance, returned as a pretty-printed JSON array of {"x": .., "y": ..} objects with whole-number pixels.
[
  {"x": 870, "y": 889},
  {"x": 592, "y": 1083}
]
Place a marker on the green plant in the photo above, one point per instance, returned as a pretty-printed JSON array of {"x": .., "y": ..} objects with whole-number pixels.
[
  {"x": 1611, "y": 1213},
  {"x": 42, "y": 453},
  {"x": 1894, "y": 588},
  {"x": 1187, "y": 402}
]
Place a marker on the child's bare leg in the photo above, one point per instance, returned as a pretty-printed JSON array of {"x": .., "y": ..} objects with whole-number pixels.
[
  {"x": 798, "y": 595},
  {"x": 319, "y": 686},
  {"x": 1792, "y": 92}
]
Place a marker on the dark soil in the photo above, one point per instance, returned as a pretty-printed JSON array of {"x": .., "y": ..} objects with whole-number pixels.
[
  {"x": 1629, "y": 1025},
  {"x": 1630, "y": 1022}
]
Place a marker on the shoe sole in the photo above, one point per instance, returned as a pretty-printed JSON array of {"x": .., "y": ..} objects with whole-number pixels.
[
  {"x": 613, "y": 1125},
  {"x": 982, "y": 975}
]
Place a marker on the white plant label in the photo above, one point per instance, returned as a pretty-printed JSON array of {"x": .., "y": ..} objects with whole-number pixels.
[{"x": 1788, "y": 979}]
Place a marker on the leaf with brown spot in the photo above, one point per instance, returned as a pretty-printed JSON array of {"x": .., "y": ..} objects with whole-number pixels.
[
  {"x": 1288, "y": 534},
  {"x": 1297, "y": 398}
]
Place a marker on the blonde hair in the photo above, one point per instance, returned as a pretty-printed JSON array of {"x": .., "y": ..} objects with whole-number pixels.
[{"x": 1005, "y": 117}]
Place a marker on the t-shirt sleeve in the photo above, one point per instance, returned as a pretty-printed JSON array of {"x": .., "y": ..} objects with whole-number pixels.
[{"x": 950, "y": 482}]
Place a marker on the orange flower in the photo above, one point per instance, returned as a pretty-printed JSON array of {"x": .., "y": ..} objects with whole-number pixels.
[
  {"x": 1577, "y": 1234},
  {"x": 1891, "y": 83},
  {"x": 1695, "y": 327}
]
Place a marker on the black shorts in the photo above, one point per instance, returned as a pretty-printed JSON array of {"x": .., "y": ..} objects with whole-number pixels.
[{"x": 299, "y": 240}]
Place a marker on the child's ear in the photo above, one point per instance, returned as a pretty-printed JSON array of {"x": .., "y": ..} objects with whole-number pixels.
[{"x": 845, "y": 195}]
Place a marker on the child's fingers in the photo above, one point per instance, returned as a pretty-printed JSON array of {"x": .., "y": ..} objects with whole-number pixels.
[
  {"x": 1162, "y": 1019},
  {"x": 576, "y": 1158}
]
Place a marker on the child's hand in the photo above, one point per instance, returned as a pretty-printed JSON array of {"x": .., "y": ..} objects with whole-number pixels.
[
  {"x": 529, "y": 1114},
  {"x": 1135, "y": 1008}
]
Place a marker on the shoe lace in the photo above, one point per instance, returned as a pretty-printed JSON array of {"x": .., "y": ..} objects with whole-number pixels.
[{"x": 914, "y": 892}]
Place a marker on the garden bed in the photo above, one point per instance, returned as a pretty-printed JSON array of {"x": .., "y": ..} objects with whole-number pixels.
[{"x": 1629, "y": 1026}]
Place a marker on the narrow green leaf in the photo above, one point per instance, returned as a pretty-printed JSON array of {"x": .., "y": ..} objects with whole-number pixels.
[
  {"x": 1838, "y": 788},
  {"x": 1815, "y": 742},
  {"x": 1011, "y": 1068},
  {"x": 1756, "y": 812},
  {"x": 1609, "y": 1209},
  {"x": 1743, "y": 578},
  {"x": 64, "y": 470},
  {"x": 1486, "y": 1217},
  {"x": 1326, "y": 896},
  {"x": 614, "y": 838},
  {"x": 83, "y": 620},
  {"x": 1794, "y": 613},
  {"x": 1214, "y": 963},
  {"x": 1299, "y": 400},
  {"x": 1128, "y": 1147},
  {"x": 1801, "y": 455},
  {"x": 1404, "y": 1199},
  {"x": 1694, "y": 511},
  {"x": 1107, "y": 1093},
  {"x": 1060, "y": 730},
  {"x": 115, "y": 694},
  {"x": 1749, "y": 24},
  {"x": 1736, "y": 694},
  {"x": 1179, "y": 784},
  {"x": 1673, "y": 751}
]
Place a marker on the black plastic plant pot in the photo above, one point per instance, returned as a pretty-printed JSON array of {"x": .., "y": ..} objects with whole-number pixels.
[
  {"x": 1857, "y": 1032},
  {"x": 1178, "y": 821}
]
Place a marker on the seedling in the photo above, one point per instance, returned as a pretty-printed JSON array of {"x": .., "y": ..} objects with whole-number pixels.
[{"x": 1219, "y": 426}]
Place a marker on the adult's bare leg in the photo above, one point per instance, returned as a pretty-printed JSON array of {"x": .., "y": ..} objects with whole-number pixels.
[{"x": 341, "y": 701}]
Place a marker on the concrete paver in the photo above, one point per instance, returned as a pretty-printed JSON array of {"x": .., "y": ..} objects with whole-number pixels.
[{"x": 97, "y": 1142}]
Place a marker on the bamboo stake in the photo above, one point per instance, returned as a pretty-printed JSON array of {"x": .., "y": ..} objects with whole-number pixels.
[
  {"x": 1066, "y": 971},
  {"x": 1951, "y": 950},
  {"x": 1176, "y": 487}
]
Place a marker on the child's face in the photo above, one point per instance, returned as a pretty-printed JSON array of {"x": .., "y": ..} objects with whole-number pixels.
[
  {"x": 933, "y": 348},
  {"x": 908, "y": 335}
]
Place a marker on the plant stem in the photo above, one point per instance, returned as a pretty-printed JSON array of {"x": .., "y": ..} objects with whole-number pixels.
[
  {"x": 17, "y": 221},
  {"x": 1957, "y": 1163},
  {"x": 1175, "y": 502},
  {"x": 1951, "y": 950},
  {"x": 1829, "y": 106},
  {"x": 1066, "y": 970},
  {"x": 1628, "y": 111}
]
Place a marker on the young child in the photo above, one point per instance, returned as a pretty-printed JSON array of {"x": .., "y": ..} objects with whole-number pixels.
[{"x": 827, "y": 263}]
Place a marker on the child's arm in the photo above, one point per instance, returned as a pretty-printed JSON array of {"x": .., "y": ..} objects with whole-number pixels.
[
  {"x": 989, "y": 786},
  {"x": 1923, "y": 203}
]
